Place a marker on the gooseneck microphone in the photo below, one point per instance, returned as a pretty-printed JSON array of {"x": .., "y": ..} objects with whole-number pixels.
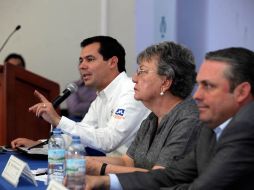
[
  {"x": 72, "y": 87},
  {"x": 5, "y": 42}
]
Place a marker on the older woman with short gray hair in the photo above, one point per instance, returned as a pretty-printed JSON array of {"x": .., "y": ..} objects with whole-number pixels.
[{"x": 163, "y": 82}]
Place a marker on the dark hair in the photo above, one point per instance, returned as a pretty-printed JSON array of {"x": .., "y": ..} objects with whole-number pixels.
[
  {"x": 16, "y": 56},
  {"x": 176, "y": 62},
  {"x": 241, "y": 62},
  {"x": 109, "y": 47}
]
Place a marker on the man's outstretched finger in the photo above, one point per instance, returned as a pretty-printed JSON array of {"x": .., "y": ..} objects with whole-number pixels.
[{"x": 40, "y": 96}]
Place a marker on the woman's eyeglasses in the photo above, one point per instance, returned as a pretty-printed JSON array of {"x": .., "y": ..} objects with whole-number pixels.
[{"x": 140, "y": 71}]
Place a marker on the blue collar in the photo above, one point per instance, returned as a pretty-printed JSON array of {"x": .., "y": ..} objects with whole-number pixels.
[{"x": 218, "y": 130}]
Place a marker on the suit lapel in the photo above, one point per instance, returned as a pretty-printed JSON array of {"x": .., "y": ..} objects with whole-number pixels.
[{"x": 205, "y": 148}]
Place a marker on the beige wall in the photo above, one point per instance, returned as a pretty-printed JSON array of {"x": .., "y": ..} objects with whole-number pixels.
[{"x": 51, "y": 31}]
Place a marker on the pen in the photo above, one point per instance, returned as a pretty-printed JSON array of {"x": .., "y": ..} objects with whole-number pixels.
[
  {"x": 41, "y": 174},
  {"x": 37, "y": 145}
]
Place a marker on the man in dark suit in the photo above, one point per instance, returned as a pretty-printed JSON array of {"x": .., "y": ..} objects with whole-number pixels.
[{"x": 224, "y": 155}]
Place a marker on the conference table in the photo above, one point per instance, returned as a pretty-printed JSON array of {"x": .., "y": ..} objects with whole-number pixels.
[{"x": 33, "y": 163}]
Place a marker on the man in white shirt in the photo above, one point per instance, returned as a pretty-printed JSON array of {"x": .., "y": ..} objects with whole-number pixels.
[{"x": 115, "y": 116}]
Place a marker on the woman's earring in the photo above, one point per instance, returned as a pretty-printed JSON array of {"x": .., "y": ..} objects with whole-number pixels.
[{"x": 162, "y": 93}]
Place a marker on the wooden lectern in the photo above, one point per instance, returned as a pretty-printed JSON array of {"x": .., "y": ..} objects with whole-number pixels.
[{"x": 17, "y": 87}]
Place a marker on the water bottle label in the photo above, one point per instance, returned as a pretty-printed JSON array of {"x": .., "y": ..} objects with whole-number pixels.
[
  {"x": 75, "y": 166},
  {"x": 56, "y": 156},
  {"x": 56, "y": 164},
  {"x": 56, "y": 172}
]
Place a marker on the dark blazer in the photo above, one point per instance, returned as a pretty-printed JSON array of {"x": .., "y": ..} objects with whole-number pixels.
[{"x": 225, "y": 164}]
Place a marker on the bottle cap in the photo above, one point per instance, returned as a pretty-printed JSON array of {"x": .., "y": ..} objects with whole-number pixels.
[{"x": 76, "y": 139}]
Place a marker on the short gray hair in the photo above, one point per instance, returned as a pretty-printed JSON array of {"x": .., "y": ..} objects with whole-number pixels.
[{"x": 176, "y": 62}]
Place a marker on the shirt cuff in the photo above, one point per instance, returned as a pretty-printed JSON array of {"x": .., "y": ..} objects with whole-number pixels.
[
  {"x": 65, "y": 124},
  {"x": 114, "y": 182}
]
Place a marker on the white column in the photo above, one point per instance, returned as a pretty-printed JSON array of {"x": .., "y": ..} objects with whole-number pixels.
[{"x": 104, "y": 17}]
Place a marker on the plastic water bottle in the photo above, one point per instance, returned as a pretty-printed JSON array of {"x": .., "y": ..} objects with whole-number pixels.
[
  {"x": 75, "y": 165},
  {"x": 56, "y": 155}
]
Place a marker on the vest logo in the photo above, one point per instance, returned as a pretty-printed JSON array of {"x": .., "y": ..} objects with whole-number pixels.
[{"x": 119, "y": 112}]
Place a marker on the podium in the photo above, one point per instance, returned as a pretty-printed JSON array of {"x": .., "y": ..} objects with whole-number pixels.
[{"x": 17, "y": 87}]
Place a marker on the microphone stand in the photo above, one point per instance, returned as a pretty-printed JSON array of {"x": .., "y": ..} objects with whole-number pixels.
[{"x": 5, "y": 42}]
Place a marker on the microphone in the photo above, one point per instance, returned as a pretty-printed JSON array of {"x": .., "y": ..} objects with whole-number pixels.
[
  {"x": 72, "y": 87},
  {"x": 5, "y": 42}
]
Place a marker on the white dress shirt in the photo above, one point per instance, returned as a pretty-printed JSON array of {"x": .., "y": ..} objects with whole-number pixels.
[
  {"x": 112, "y": 119},
  {"x": 114, "y": 182}
]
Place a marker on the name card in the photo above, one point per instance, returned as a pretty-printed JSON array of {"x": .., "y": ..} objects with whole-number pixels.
[
  {"x": 54, "y": 185},
  {"x": 16, "y": 168}
]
